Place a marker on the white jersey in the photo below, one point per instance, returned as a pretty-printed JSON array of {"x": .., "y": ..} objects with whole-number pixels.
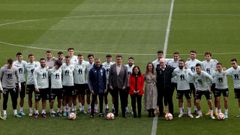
[
  {"x": 107, "y": 67},
  {"x": 173, "y": 64},
  {"x": 67, "y": 74},
  {"x": 235, "y": 73},
  {"x": 89, "y": 67},
  {"x": 50, "y": 63},
  {"x": 40, "y": 77},
  {"x": 182, "y": 77},
  {"x": 80, "y": 73},
  {"x": 202, "y": 81},
  {"x": 74, "y": 60},
  {"x": 56, "y": 78},
  {"x": 220, "y": 79},
  {"x": 191, "y": 64},
  {"x": 129, "y": 68},
  {"x": 209, "y": 66},
  {"x": 30, "y": 67},
  {"x": 20, "y": 65}
]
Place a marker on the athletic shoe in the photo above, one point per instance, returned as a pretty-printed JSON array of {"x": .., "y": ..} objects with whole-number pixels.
[
  {"x": 30, "y": 114},
  {"x": 216, "y": 114},
  {"x": 208, "y": 113},
  {"x": 44, "y": 115},
  {"x": 22, "y": 113},
  {"x": 180, "y": 115},
  {"x": 2, "y": 118},
  {"x": 65, "y": 114},
  {"x": 17, "y": 116},
  {"x": 53, "y": 114},
  {"x": 101, "y": 115},
  {"x": 226, "y": 116},
  {"x": 190, "y": 115},
  {"x": 36, "y": 115},
  {"x": 89, "y": 110},
  {"x": 91, "y": 116},
  {"x": 238, "y": 116},
  {"x": 198, "y": 116},
  {"x": 212, "y": 117}
]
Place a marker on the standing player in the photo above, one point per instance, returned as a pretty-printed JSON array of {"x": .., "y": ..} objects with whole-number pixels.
[
  {"x": 9, "y": 77},
  {"x": 80, "y": 81},
  {"x": 221, "y": 88},
  {"x": 60, "y": 56},
  {"x": 20, "y": 65},
  {"x": 68, "y": 86},
  {"x": 209, "y": 65},
  {"x": 50, "y": 60},
  {"x": 129, "y": 66},
  {"x": 56, "y": 88},
  {"x": 234, "y": 71},
  {"x": 1, "y": 91},
  {"x": 97, "y": 81},
  {"x": 30, "y": 67},
  {"x": 73, "y": 58},
  {"x": 88, "y": 92},
  {"x": 41, "y": 84},
  {"x": 202, "y": 81},
  {"x": 107, "y": 65},
  {"x": 191, "y": 64},
  {"x": 182, "y": 75}
]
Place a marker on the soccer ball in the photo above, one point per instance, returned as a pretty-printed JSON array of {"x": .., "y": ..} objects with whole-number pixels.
[
  {"x": 168, "y": 116},
  {"x": 72, "y": 116},
  {"x": 110, "y": 116},
  {"x": 221, "y": 116}
]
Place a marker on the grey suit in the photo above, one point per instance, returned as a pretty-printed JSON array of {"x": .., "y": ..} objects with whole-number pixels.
[{"x": 119, "y": 83}]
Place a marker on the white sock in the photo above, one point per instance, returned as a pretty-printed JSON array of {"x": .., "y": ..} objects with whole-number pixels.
[
  {"x": 211, "y": 111},
  {"x": 82, "y": 108},
  {"x": 15, "y": 112},
  {"x": 219, "y": 111},
  {"x": 106, "y": 106},
  {"x": 195, "y": 108},
  {"x": 21, "y": 109},
  {"x": 226, "y": 111},
  {"x": 181, "y": 110},
  {"x": 216, "y": 109},
  {"x": 189, "y": 110},
  {"x": 4, "y": 112},
  {"x": 199, "y": 112},
  {"x": 36, "y": 111},
  {"x": 65, "y": 108},
  {"x": 89, "y": 106},
  {"x": 30, "y": 110},
  {"x": 43, "y": 111}
]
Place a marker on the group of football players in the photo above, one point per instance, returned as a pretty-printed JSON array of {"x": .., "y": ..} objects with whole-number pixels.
[{"x": 66, "y": 78}]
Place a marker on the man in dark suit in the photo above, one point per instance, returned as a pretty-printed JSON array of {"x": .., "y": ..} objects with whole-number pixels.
[
  {"x": 164, "y": 86},
  {"x": 118, "y": 82}
]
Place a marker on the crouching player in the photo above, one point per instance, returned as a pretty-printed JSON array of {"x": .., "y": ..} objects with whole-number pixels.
[
  {"x": 183, "y": 88},
  {"x": 202, "y": 81},
  {"x": 56, "y": 88},
  {"x": 41, "y": 85},
  {"x": 221, "y": 88}
]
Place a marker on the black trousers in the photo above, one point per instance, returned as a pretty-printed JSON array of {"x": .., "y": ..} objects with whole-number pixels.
[
  {"x": 123, "y": 99},
  {"x": 94, "y": 98},
  {"x": 13, "y": 94},
  {"x": 165, "y": 97},
  {"x": 136, "y": 99}
]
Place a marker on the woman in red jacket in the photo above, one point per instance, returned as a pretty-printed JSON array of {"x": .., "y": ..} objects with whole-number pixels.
[{"x": 136, "y": 84}]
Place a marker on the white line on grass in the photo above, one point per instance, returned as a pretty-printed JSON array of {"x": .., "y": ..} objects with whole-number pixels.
[{"x": 155, "y": 120}]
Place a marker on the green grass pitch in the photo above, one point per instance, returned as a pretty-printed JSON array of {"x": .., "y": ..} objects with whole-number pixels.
[{"x": 131, "y": 27}]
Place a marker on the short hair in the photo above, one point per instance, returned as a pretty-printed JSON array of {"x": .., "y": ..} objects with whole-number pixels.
[
  {"x": 58, "y": 63},
  {"x": 181, "y": 60},
  {"x": 67, "y": 56},
  {"x": 90, "y": 55},
  {"x": 18, "y": 53},
  {"x": 10, "y": 61},
  {"x": 207, "y": 53},
  {"x": 97, "y": 59},
  {"x": 233, "y": 59},
  {"x": 198, "y": 65},
  {"x": 176, "y": 53},
  {"x": 42, "y": 59},
  {"x": 108, "y": 56},
  {"x": 219, "y": 63},
  {"x": 48, "y": 51},
  {"x": 60, "y": 52},
  {"x": 160, "y": 51},
  {"x": 119, "y": 56},
  {"x": 79, "y": 55},
  {"x": 131, "y": 58},
  {"x": 193, "y": 51},
  {"x": 70, "y": 49},
  {"x": 29, "y": 55}
]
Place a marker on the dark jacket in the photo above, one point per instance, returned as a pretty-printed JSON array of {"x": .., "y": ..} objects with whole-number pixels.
[
  {"x": 118, "y": 81},
  {"x": 97, "y": 79},
  {"x": 164, "y": 77}
]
